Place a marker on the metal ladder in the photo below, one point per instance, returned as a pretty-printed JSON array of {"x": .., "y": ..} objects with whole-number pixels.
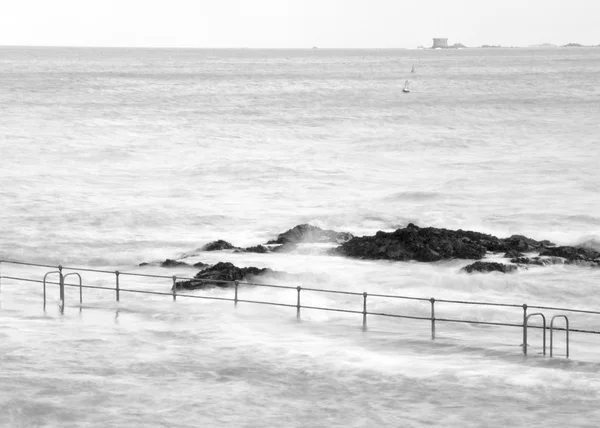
[
  {"x": 61, "y": 285},
  {"x": 525, "y": 327}
]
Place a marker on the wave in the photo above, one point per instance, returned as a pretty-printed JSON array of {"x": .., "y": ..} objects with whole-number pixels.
[{"x": 590, "y": 242}]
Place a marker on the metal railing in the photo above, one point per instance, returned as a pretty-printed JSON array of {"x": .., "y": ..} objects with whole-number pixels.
[{"x": 431, "y": 318}]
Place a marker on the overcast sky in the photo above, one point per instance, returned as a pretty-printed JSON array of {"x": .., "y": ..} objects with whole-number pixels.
[{"x": 297, "y": 23}]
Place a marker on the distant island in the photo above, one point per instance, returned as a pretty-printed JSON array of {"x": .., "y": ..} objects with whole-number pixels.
[
  {"x": 568, "y": 45},
  {"x": 442, "y": 43},
  {"x": 578, "y": 45},
  {"x": 543, "y": 45}
]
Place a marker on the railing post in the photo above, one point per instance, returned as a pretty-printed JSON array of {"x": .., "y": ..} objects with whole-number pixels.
[
  {"x": 44, "y": 285},
  {"x": 80, "y": 286},
  {"x": 117, "y": 289},
  {"x": 235, "y": 297},
  {"x": 365, "y": 310},
  {"x": 61, "y": 284},
  {"x": 174, "y": 288},
  {"x": 524, "y": 329},
  {"x": 543, "y": 332},
  {"x": 552, "y": 332},
  {"x": 298, "y": 302},
  {"x": 432, "y": 300}
]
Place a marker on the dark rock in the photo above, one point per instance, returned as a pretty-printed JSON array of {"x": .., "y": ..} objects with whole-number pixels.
[
  {"x": 540, "y": 261},
  {"x": 218, "y": 245},
  {"x": 422, "y": 244},
  {"x": 221, "y": 275},
  {"x": 489, "y": 267},
  {"x": 527, "y": 261},
  {"x": 431, "y": 244},
  {"x": 524, "y": 244},
  {"x": 572, "y": 253},
  {"x": 200, "y": 265},
  {"x": 257, "y": 249},
  {"x": 310, "y": 234},
  {"x": 285, "y": 248},
  {"x": 166, "y": 264},
  {"x": 584, "y": 263},
  {"x": 172, "y": 263},
  {"x": 512, "y": 254}
]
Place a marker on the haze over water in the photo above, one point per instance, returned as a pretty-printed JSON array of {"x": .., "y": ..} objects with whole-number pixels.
[{"x": 112, "y": 157}]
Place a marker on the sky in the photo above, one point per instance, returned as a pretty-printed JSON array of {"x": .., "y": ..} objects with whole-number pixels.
[{"x": 296, "y": 23}]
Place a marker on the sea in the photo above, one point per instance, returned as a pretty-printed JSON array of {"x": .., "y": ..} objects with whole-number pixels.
[{"x": 114, "y": 157}]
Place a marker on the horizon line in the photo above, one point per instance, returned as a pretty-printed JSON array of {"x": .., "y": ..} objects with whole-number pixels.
[{"x": 450, "y": 47}]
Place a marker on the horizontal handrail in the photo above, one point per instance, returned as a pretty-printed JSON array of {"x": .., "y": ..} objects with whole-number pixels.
[
  {"x": 322, "y": 290},
  {"x": 364, "y": 312},
  {"x": 470, "y": 302},
  {"x": 582, "y": 311}
]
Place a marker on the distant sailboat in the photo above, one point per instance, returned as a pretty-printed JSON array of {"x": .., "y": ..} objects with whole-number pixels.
[{"x": 406, "y": 88}]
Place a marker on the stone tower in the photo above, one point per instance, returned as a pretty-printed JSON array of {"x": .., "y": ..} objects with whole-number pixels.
[{"x": 440, "y": 43}]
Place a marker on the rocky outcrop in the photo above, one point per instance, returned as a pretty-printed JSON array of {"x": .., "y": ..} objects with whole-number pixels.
[
  {"x": 172, "y": 263},
  {"x": 572, "y": 253},
  {"x": 261, "y": 249},
  {"x": 540, "y": 261},
  {"x": 306, "y": 233},
  {"x": 168, "y": 263},
  {"x": 486, "y": 267},
  {"x": 575, "y": 255},
  {"x": 429, "y": 244},
  {"x": 218, "y": 246},
  {"x": 512, "y": 254},
  {"x": 287, "y": 241},
  {"x": 422, "y": 244},
  {"x": 524, "y": 244},
  {"x": 221, "y": 275}
]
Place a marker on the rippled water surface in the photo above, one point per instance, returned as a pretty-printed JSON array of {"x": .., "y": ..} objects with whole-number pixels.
[{"x": 112, "y": 157}]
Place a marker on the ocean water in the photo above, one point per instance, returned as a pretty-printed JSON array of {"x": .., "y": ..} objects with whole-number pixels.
[{"x": 112, "y": 157}]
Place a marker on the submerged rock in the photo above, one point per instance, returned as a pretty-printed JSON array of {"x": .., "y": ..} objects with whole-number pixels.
[
  {"x": 527, "y": 261},
  {"x": 221, "y": 275},
  {"x": 573, "y": 254},
  {"x": 172, "y": 263},
  {"x": 218, "y": 246},
  {"x": 489, "y": 267},
  {"x": 261, "y": 249},
  {"x": 513, "y": 254},
  {"x": 168, "y": 263},
  {"x": 310, "y": 234},
  {"x": 540, "y": 261}
]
